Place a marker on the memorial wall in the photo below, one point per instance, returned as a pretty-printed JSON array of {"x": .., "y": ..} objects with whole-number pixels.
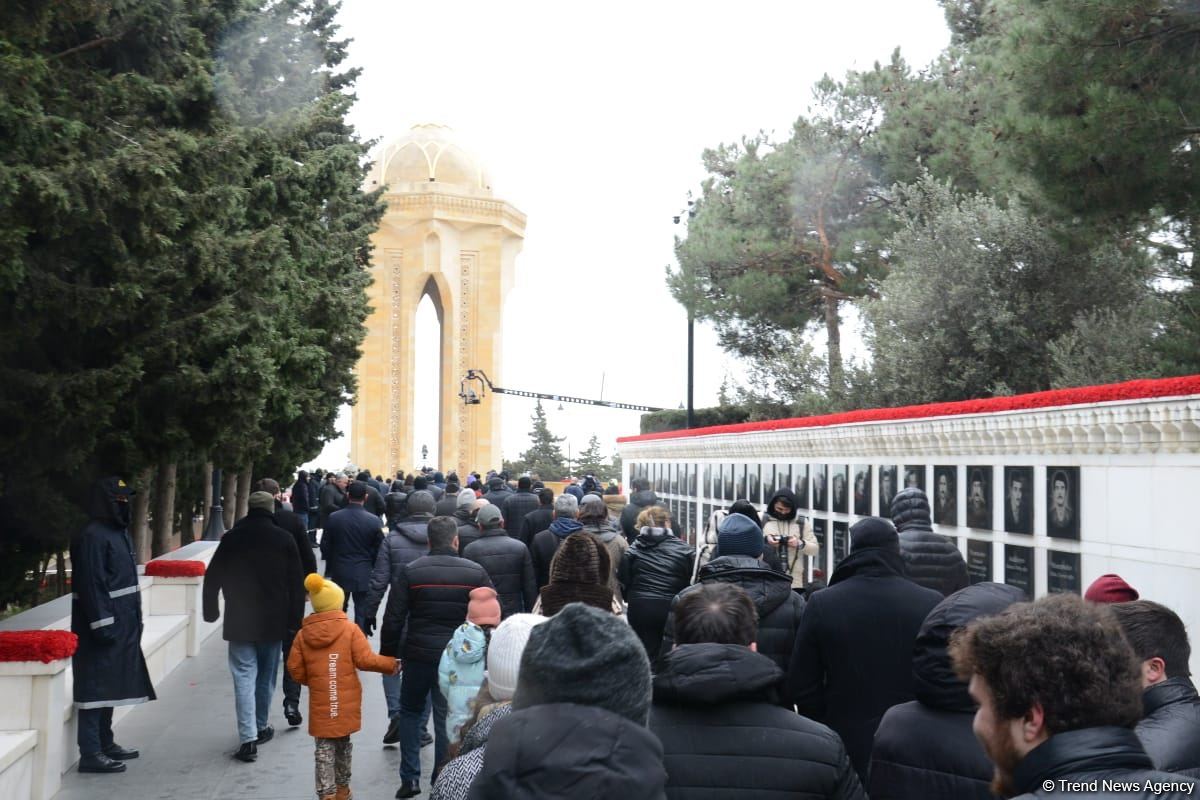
[{"x": 1045, "y": 492}]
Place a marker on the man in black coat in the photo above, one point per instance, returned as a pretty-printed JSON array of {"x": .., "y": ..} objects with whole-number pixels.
[
  {"x": 853, "y": 653},
  {"x": 714, "y": 694},
  {"x": 374, "y": 501},
  {"x": 545, "y": 544},
  {"x": 780, "y": 610},
  {"x": 426, "y": 603},
  {"x": 924, "y": 748},
  {"x": 291, "y": 522},
  {"x": 106, "y": 615},
  {"x": 1170, "y": 729},
  {"x": 930, "y": 559},
  {"x": 350, "y": 544},
  {"x": 300, "y": 497},
  {"x": 518, "y": 505},
  {"x": 539, "y": 519},
  {"x": 464, "y": 517},
  {"x": 448, "y": 502},
  {"x": 507, "y": 563},
  {"x": 497, "y": 492},
  {"x": 257, "y": 567},
  {"x": 640, "y": 499},
  {"x": 1059, "y": 692},
  {"x": 332, "y": 498}
]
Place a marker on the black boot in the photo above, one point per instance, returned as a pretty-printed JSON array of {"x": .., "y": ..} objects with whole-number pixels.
[
  {"x": 265, "y": 735},
  {"x": 393, "y": 731},
  {"x": 408, "y": 790},
  {"x": 291, "y": 712},
  {"x": 98, "y": 762},
  {"x": 118, "y": 753}
]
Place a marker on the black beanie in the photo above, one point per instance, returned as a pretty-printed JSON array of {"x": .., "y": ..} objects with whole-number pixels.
[
  {"x": 588, "y": 657},
  {"x": 738, "y": 535},
  {"x": 874, "y": 532}
]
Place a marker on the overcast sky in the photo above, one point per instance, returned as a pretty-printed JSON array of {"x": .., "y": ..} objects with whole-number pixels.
[{"x": 591, "y": 120}]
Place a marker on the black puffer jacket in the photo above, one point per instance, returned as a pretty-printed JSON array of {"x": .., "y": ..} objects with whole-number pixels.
[
  {"x": 1170, "y": 730},
  {"x": 853, "y": 655},
  {"x": 508, "y": 564},
  {"x": 657, "y": 566},
  {"x": 722, "y": 698},
  {"x": 1092, "y": 754},
  {"x": 930, "y": 559},
  {"x": 446, "y": 505},
  {"x": 403, "y": 545},
  {"x": 564, "y": 751},
  {"x": 427, "y": 602},
  {"x": 638, "y": 502},
  {"x": 925, "y": 747},
  {"x": 534, "y": 523},
  {"x": 779, "y": 608}
]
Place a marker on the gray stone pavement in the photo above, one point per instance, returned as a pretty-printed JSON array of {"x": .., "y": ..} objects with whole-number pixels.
[{"x": 188, "y": 735}]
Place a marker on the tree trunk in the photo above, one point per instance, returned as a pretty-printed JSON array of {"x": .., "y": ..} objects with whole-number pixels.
[
  {"x": 229, "y": 497},
  {"x": 243, "y": 490},
  {"x": 185, "y": 515},
  {"x": 837, "y": 378},
  {"x": 164, "y": 508},
  {"x": 139, "y": 518},
  {"x": 60, "y": 565},
  {"x": 208, "y": 493}
]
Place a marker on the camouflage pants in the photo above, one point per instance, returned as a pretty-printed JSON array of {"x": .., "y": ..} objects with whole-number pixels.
[{"x": 333, "y": 764}]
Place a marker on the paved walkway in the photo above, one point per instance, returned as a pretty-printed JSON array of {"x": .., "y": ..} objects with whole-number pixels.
[{"x": 187, "y": 736}]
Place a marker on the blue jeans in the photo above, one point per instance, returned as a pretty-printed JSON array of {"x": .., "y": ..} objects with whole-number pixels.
[
  {"x": 255, "y": 668},
  {"x": 391, "y": 694},
  {"x": 420, "y": 681}
]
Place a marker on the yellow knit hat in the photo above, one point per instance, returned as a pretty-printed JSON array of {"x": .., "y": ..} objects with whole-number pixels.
[{"x": 325, "y": 594}]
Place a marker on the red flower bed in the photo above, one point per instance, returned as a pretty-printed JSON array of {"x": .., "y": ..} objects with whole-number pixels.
[
  {"x": 166, "y": 568},
  {"x": 44, "y": 646},
  {"x": 1130, "y": 390}
]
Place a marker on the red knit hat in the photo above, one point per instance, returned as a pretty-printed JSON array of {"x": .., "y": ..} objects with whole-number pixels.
[
  {"x": 1110, "y": 589},
  {"x": 483, "y": 608}
]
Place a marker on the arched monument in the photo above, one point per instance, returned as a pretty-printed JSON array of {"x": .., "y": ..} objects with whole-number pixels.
[{"x": 447, "y": 236}]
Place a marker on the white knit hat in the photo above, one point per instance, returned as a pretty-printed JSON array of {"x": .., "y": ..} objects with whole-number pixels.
[{"x": 504, "y": 653}]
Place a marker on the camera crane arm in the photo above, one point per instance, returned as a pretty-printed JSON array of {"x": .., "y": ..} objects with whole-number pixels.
[{"x": 473, "y": 398}]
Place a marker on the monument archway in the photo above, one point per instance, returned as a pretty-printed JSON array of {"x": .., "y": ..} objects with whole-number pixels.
[{"x": 447, "y": 236}]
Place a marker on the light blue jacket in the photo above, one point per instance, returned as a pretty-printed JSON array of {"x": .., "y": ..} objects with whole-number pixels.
[{"x": 460, "y": 674}]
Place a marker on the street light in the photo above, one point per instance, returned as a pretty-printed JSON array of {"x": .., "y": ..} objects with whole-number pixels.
[
  {"x": 215, "y": 528},
  {"x": 691, "y": 322}
]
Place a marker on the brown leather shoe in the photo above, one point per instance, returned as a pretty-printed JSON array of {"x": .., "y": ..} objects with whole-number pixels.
[{"x": 344, "y": 793}]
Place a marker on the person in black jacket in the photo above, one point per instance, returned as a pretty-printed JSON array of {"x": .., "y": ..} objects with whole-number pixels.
[
  {"x": 406, "y": 541},
  {"x": 516, "y": 506},
  {"x": 539, "y": 519},
  {"x": 508, "y": 564},
  {"x": 546, "y": 543},
  {"x": 332, "y": 497},
  {"x": 1170, "y": 729},
  {"x": 300, "y": 498},
  {"x": 741, "y": 543},
  {"x": 448, "y": 502},
  {"x": 349, "y": 545},
  {"x": 106, "y": 614},
  {"x": 930, "y": 560},
  {"x": 497, "y": 492},
  {"x": 374, "y": 501},
  {"x": 641, "y": 498},
  {"x": 578, "y": 724},
  {"x": 257, "y": 567},
  {"x": 426, "y": 603},
  {"x": 294, "y": 524},
  {"x": 714, "y": 694},
  {"x": 1059, "y": 692},
  {"x": 924, "y": 748},
  {"x": 853, "y": 653},
  {"x": 655, "y": 568}
]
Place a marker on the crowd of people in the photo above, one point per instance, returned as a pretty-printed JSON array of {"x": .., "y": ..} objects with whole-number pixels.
[{"x": 563, "y": 652}]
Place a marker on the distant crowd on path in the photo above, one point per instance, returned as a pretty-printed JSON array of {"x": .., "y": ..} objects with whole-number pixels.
[{"x": 563, "y": 653}]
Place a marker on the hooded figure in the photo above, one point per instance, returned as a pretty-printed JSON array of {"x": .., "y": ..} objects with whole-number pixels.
[
  {"x": 779, "y": 520},
  {"x": 106, "y": 615},
  {"x": 853, "y": 654},
  {"x": 930, "y": 560},
  {"x": 578, "y": 574},
  {"x": 925, "y": 747}
]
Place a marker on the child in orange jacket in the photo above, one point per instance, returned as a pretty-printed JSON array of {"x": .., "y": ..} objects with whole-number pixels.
[{"x": 326, "y": 656}]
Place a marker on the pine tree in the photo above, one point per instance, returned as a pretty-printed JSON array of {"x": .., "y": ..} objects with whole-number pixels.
[
  {"x": 544, "y": 456},
  {"x": 591, "y": 461}
]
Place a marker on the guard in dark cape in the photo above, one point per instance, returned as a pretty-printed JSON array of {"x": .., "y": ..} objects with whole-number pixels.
[{"x": 106, "y": 615}]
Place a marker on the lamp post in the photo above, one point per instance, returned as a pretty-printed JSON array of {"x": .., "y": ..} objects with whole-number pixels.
[
  {"x": 215, "y": 528},
  {"x": 690, "y": 283}
]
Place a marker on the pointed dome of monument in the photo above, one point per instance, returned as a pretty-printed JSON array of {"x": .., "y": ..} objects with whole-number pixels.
[{"x": 426, "y": 156}]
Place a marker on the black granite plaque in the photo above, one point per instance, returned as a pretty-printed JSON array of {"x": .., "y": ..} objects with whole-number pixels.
[
  {"x": 979, "y": 561},
  {"x": 1062, "y": 502},
  {"x": 862, "y": 489},
  {"x": 839, "y": 498},
  {"x": 1062, "y": 572},
  {"x": 979, "y": 497},
  {"x": 1018, "y": 567},
  {"x": 914, "y": 477},
  {"x": 820, "y": 487},
  {"x": 841, "y": 535},
  {"x": 945, "y": 495}
]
